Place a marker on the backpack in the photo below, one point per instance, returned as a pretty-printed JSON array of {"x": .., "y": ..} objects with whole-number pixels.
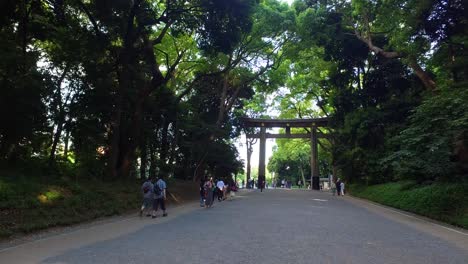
[
  {"x": 146, "y": 187},
  {"x": 157, "y": 189}
]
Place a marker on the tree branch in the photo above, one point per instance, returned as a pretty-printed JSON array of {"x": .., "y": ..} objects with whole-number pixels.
[
  {"x": 172, "y": 68},
  {"x": 161, "y": 35},
  {"x": 377, "y": 50},
  {"x": 90, "y": 17},
  {"x": 427, "y": 81}
]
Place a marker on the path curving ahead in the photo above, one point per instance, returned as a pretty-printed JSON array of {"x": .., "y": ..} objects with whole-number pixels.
[{"x": 276, "y": 226}]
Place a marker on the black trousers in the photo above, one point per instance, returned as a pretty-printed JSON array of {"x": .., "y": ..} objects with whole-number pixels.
[{"x": 159, "y": 202}]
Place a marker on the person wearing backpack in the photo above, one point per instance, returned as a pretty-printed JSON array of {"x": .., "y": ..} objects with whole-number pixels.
[
  {"x": 159, "y": 196},
  {"x": 148, "y": 197}
]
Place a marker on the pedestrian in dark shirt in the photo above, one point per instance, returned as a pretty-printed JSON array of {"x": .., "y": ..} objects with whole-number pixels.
[
  {"x": 202, "y": 192},
  {"x": 338, "y": 186}
]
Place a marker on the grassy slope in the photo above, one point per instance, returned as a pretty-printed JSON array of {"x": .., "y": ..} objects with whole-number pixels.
[
  {"x": 444, "y": 202},
  {"x": 29, "y": 206}
]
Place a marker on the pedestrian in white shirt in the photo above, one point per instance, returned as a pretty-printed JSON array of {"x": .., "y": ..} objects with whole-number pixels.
[{"x": 220, "y": 186}]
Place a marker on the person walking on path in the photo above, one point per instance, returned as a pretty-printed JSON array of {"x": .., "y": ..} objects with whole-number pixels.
[
  {"x": 148, "y": 197},
  {"x": 202, "y": 192},
  {"x": 220, "y": 189},
  {"x": 333, "y": 188},
  {"x": 342, "y": 188},
  {"x": 261, "y": 184},
  {"x": 209, "y": 192},
  {"x": 338, "y": 186},
  {"x": 159, "y": 196}
]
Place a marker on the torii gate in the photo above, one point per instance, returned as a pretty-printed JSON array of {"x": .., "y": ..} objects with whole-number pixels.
[{"x": 311, "y": 123}]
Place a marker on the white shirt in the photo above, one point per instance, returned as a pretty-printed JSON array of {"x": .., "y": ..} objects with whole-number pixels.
[{"x": 220, "y": 184}]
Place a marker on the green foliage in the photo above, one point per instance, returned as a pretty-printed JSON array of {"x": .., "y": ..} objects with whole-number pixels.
[
  {"x": 432, "y": 148},
  {"x": 445, "y": 202},
  {"x": 291, "y": 160},
  {"x": 28, "y": 205},
  {"x": 224, "y": 23},
  {"x": 380, "y": 131},
  {"x": 110, "y": 86}
]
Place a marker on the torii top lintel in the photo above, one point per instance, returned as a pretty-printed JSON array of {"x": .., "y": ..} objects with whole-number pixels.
[{"x": 308, "y": 122}]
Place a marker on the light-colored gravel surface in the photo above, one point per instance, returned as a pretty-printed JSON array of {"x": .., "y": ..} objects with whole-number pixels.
[{"x": 277, "y": 226}]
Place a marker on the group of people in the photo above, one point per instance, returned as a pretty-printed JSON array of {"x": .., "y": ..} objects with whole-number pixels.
[
  {"x": 338, "y": 187},
  {"x": 154, "y": 192},
  {"x": 252, "y": 184},
  {"x": 209, "y": 190},
  {"x": 154, "y": 197},
  {"x": 286, "y": 183}
]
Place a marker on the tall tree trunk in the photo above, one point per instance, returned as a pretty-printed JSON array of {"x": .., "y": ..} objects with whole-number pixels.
[
  {"x": 187, "y": 167},
  {"x": 66, "y": 142},
  {"x": 130, "y": 141},
  {"x": 56, "y": 139},
  {"x": 164, "y": 143},
  {"x": 222, "y": 101},
  {"x": 143, "y": 157},
  {"x": 249, "y": 144},
  {"x": 152, "y": 168},
  {"x": 124, "y": 78},
  {"x": 156, "y": 83},
  {"x": 335, "y": 173},
  {"x": 23, "y": 32},
  {"x": 114, "y": 150},
  {"x": 61, "y": 115},
  {"x": 302, "y": 175},
  {"x": 154, "y": 147},
  {"x": 174, "y": 144},
  {"x": 116, "y": 122},
  {"x": 422, "y": 75}
]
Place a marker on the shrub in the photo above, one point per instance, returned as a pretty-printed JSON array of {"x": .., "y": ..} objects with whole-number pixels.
[{"x": 442, "y": 201}]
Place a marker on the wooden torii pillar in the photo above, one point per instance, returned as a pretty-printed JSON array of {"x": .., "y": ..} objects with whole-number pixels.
[
  {"x": 314, "y": 166},
  {"x": 287, "y": 124},
  {"x": 261, "y": 165}
]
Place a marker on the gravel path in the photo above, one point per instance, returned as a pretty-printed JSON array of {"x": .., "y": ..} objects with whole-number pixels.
[{"x": 277, "y": 226}]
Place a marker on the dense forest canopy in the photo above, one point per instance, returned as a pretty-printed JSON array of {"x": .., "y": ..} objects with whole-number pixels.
[{"x": 118, "y": 89}]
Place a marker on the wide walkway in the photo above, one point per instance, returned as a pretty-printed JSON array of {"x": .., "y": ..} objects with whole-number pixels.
[{"x": 277, "y": 226}]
